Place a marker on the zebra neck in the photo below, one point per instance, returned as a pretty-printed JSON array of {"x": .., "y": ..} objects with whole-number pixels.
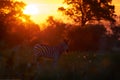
[{"x": 60, "y": 49}]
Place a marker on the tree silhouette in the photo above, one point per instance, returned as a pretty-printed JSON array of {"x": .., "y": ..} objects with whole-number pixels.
[
  {"x": 85, "y": 38},
  {"x": 54, "y": 31},
  {"x": 10, "y": 12},
  {"x": 116, "y": 32},
  {"x": 82, "y": 11},
  {"x": 14, "y": 25}
]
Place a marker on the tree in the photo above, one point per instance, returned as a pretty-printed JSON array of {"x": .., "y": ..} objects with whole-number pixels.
[
  {"x": 82, "y": 11},
  {"x": 10, "y": 12},
  {"x": 85, "y": 38},
  {"x": 116, "y": 32},
  {"x": 54, "y": 31},
  {"x": 11, "y": 9},
  {"x": 15, "y": 27}
]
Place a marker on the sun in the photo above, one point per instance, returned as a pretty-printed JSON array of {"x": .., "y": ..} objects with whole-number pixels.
[
  {"x": 31, "y": 9},
  {"x": 39, "y": 12}
]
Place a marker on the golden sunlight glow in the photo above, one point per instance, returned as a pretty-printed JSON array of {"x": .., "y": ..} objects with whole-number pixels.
[
  {"x": 39, "y": 10},
  {"x": 117, "y": 6},
  {"x": 31, "y": 9}
]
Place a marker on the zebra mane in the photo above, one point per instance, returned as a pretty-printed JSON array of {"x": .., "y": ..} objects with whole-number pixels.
[{"x": 63, "y": 46}]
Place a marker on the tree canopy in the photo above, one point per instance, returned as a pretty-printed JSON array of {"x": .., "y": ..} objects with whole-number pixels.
[
  {"x": 14, "y": 25},
  {"x": 82, "y": 11}
]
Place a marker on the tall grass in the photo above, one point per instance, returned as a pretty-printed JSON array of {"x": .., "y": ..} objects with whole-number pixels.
[{"x": 72, "y": 66}]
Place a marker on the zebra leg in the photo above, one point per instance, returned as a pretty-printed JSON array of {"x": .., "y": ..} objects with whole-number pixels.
[
  {"x": 55, "y": 62},
  {"x": 38, "y": 64},
  {"x": 38, "y": 69}
]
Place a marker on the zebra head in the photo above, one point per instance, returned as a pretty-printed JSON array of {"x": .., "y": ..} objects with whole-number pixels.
[{"x": 64, "y": 45}]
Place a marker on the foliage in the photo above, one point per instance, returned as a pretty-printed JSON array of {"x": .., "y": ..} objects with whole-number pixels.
[
  {"x": 82, "y": 11},
  {"x": 86, "y": 38},
  {"x": 14, "y": 25},
  {"x": 113, "y": 39},
  {"x": 9, "y": 12},
  {"x": 116, "y": 32},
  {"x": 53, "y": 33}
]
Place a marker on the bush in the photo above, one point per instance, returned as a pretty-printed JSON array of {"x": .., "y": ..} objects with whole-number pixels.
[{"x": 85, "y": 38}]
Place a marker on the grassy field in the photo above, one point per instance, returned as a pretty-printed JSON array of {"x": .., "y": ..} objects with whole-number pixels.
[{"x": 72, "y": 66}]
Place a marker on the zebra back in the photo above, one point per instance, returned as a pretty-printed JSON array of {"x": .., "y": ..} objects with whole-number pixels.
[{"x": 50, "y": 51}]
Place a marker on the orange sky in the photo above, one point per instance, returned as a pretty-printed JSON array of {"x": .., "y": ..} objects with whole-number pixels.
[
  {"x": 117, "y": 6},
  {"x": 45, "y": 7},
  {"x": 49, "y": 7},
  {"x": 44, "y": 1},
  {"x": 58, "y": 2}
]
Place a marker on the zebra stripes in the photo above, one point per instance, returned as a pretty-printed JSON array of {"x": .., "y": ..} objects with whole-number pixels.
[{"x": 54, "y": 52}]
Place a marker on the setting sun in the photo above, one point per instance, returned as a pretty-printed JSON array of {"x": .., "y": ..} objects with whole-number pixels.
[
  {"x": 39, "y": 10},
  {"x": 31, "y": 9}
]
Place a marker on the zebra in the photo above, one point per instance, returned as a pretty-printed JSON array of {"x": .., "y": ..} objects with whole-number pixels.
[{"x": 53, "y": 52}]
